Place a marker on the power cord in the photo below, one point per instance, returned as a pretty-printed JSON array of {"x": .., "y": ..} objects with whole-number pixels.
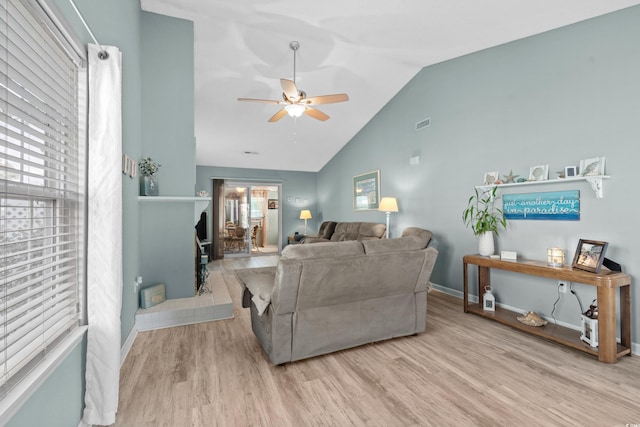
[
  {"x": 577, "y": 297},
  {"x": 558, "y": 299},
  {"x": 554, "y": 306}
]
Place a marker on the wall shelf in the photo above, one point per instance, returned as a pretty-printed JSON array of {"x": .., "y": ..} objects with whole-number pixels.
[
  {"x": 596, "y": 182},
  {"x": 200, "y": 203}
]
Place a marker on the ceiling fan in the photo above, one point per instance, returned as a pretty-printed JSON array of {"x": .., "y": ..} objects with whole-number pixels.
[{"x": 296, "y": 102}]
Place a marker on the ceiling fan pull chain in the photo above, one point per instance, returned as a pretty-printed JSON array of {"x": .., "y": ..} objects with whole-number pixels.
[{"x": 295, "y": 133}]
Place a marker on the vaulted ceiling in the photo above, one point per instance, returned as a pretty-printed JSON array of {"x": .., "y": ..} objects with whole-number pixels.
[{"x": 367, "y": 49}]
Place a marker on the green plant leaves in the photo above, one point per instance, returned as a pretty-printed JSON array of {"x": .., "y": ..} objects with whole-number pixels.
[{"x": 481, "y": 213}]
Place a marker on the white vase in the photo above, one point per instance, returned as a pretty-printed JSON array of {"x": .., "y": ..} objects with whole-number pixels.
[{"x": 485, "y": 243}]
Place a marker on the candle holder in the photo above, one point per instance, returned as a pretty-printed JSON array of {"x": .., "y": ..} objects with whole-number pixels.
[{"x": 555, "y": 257}]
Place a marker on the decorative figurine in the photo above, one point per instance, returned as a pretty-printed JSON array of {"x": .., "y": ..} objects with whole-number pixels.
[{"x": 511, "y": 178}]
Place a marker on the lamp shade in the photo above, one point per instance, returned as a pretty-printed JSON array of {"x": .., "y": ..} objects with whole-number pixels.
[
  {"x": 388, "y": 204},
  {"x": 305, "y": 214}
]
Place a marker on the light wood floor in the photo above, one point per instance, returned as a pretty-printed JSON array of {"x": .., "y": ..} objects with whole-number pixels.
[{"x": 463, "y": 371}]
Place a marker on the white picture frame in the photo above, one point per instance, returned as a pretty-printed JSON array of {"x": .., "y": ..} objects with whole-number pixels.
[
  {"x": 570, "y": 171},
  {"x": 539, "y": 173},
  {"x": 491, "y": 177},
  {"x": 592, "y": 167}
]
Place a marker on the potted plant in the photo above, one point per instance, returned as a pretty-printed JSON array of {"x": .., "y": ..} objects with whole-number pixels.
[
  {"x": 149, "y": 181},
  {"x": 484, "y": 218}
]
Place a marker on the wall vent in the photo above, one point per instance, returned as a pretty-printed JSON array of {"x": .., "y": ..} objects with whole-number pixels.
[{"x": 424, "y": 123}]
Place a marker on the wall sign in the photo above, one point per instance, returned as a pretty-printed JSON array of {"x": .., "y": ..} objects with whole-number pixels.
[{"x": 555, "y": 205}]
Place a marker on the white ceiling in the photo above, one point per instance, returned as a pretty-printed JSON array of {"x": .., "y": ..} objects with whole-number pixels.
[{"x": 368, "y": 49}]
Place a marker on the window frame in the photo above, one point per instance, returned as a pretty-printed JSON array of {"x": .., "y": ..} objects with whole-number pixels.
[{"x": 46, "y": 362}]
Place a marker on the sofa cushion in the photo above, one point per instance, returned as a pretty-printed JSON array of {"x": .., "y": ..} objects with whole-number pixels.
[
  {"x": 326, "y": 229},
  {"x": 424, "y": 235},
  {"x": 408, "y": 243},
  {"x": 358, "y": 231},
  {"x": 325, "y": 250}
]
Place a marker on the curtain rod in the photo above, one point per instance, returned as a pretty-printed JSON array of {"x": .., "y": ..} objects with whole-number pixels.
[{"x": 103, "y": 53}]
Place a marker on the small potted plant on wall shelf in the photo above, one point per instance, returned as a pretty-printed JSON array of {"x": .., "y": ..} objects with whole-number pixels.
[
  {"x": 484, "y": 218},
  {"x": 149, "y": 181}
]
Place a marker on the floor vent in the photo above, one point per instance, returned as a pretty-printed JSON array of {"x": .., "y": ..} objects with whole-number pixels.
[{"x": 424, "y": 123}]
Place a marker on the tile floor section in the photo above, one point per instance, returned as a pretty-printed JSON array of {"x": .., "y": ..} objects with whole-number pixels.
[{"x": 215, "y": 305}]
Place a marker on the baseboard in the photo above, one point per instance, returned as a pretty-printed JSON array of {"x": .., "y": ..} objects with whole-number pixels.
[
  {"x": 126, "y": 346},
  {"x": 635, "y": 347}
]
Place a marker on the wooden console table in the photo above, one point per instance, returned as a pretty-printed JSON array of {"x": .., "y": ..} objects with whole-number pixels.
[{"x": 606, "y": 282}]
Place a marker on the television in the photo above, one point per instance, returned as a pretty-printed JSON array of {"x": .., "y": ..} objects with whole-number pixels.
[{"x": 201, "y": 227}]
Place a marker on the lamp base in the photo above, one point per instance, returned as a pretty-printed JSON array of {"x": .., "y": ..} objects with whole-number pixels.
[{"x": 387, "y": 231}]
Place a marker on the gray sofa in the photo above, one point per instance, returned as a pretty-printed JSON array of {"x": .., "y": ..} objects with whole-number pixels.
[
  {"x": 337, "y": 295},
  {"x": 331, "y": 231}
]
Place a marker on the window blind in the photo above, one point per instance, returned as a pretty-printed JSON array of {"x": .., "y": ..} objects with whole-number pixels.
[{"x": 42, "y": 190}]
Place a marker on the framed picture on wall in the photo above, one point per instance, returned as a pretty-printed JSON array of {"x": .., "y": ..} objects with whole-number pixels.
[
  {"x": 272, "y": 203},
  {"x": 366, "y": 191}
]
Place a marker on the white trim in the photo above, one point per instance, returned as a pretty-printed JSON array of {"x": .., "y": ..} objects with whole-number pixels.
[
  {"x": 73, "y": 43},
  {"x": 23, "y": 391},
  {"x": 126, "y": 346}
]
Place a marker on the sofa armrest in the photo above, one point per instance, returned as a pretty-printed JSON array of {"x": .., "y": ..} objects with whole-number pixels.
[{"x": 424, "y": 283}]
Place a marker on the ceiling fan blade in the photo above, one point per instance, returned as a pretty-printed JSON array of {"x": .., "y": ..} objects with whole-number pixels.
[
  {"x": 326, "y": 99},
  {"x": 290, "y": 90},
  {"x": 277, "y": 116},
  {"x": 316, "y": 114},
  {"x": 264, "y": 101}
]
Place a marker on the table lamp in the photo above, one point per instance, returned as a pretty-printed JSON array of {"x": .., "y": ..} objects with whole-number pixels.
[
  {"x": 305, "y": 214},
  {"x": 388, "y": 205}
]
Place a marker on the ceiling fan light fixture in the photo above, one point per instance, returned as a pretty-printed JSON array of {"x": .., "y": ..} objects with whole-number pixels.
[{"x": 295, "y": 110}]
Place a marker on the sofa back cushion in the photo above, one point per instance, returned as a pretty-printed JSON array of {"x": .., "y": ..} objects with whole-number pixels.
[
  {"x": 423, "y": 235},
  {"x": 332, "y": 281},
  {"x": 358, "y": 231},
  {"x": 326, "y": 229},
  {"x": 325, "y": 250},
  {"x": 407, "y": 243}
]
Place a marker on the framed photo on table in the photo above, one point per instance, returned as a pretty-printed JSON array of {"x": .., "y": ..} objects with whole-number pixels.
[
  {"x": 366, "y": 191},
  {"x": 589, "y": 255}
]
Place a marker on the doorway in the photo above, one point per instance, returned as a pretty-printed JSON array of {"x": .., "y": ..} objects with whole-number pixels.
[{"x": 251, "y": 213}]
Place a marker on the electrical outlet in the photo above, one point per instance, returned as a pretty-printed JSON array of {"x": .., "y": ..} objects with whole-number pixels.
[{"x": 563, "y": 286}]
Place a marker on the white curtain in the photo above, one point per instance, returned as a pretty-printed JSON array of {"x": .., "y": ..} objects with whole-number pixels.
[{"x": 104, "y": 256}]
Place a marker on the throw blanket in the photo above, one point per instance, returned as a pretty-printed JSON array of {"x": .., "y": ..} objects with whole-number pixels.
[{"x": 259, "y": 281}]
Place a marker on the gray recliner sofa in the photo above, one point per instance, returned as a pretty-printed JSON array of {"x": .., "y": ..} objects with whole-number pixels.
[{"x": 337, "y": 295}]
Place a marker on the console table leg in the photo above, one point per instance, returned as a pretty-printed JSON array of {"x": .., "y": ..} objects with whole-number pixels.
[
  {"x": 465, "y": 287},
  {"x": 607, "y": 351},
  {"x": 625, "y": 316},
  {"x": 484, "y": 279}
]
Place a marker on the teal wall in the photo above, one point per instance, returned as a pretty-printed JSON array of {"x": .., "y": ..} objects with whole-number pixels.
[
  {"x": 299, "y": 191},
  {"x": 58, "y": 402},
  {"x": 167, "y": 229},
  {"x": 555, "y": 98}
]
